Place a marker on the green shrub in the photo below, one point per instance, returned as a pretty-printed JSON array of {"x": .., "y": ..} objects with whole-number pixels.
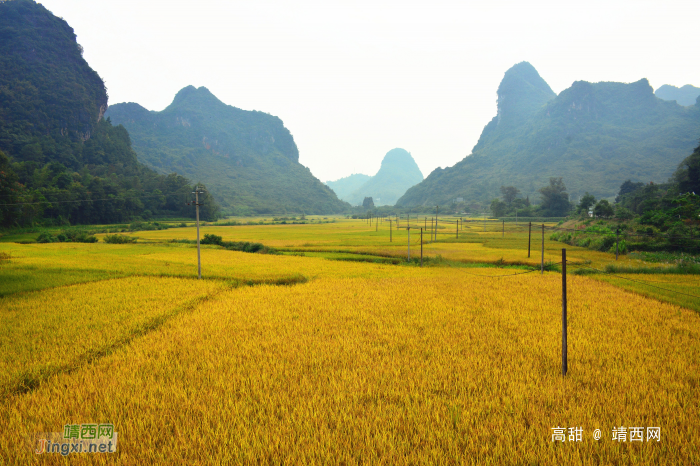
[
  {"x": 119, "y": 239},
  {"x": 46, "y": 237},
  {"x": 212, "y": 239},
  {"x": 583, "y": 242}
]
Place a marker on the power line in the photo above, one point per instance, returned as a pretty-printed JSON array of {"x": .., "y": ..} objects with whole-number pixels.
[
  {"x": 84, "y": 200},
  {"x": 637, "y": 281}
]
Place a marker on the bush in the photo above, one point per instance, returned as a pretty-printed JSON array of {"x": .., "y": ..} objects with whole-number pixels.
[
  {"x": 212, "y": 239},
  {"x": 46, "y": 237},
  {"x": 119, "y": 239},
  {"x": 583, "y": 242}
]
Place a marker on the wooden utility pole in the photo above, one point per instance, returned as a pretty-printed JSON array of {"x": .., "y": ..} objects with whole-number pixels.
[
  {"x": 564, "y": 362},
  {"x": 542, "y": 264},
  {"x": 529, "y": 236},
  {"x": 421, "y": 247},
  {"x": 196, "y": 193},
  {"x": 408, "y": 228},
  {"x": 437, "y": 209}
]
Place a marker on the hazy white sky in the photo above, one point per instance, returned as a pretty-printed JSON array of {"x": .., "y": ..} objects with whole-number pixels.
[{"x": 352, "y": 80}]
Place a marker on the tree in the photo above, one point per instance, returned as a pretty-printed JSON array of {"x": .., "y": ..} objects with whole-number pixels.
[
  {"x": 603, "y": 209},
  {"x": 209, "y": 209},
  {"x": 587, "y": 201},
  {"x": 498, "y": 208},
  {"x": 509, "y": 194},
  {"x": 688, "y": 174},
  {"x": 10, "y": 190},
  {"x": 555, "y": 199},
  {"x": 368, "y": 203},
  {"x": 628, "y": 187}
]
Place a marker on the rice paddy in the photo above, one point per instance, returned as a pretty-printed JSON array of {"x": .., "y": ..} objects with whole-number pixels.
[{"x": 324, "y": 358}]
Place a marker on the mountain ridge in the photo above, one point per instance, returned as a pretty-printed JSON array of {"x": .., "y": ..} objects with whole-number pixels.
[
  {"x": 248, "y": 158},
  {"x": 55, "y": 144},
  {"x": 687, "y": 95},
  {"x": 397, "y": 172},
  {"x": 594, "y": 135}
]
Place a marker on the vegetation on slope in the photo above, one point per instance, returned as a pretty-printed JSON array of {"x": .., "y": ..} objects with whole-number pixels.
[
  {"x": 595, "y": 136},
  {"x": 60, "y": 161},
  {"x": 648, "y": 217},
  {"x": 247, "y": 158},
  {"x": 344, "y": 187}
]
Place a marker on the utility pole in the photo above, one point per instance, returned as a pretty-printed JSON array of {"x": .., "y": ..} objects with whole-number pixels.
[
  {"x": 408, "y": 228},
  {"x": 457, "y": 229},
  {"x": 529, "y": 237},
  {"x": 542, "y": 263},
  {"x": 437, "y": 209},
  {"x": 196, "y": 193},
  {"x": 564, "y": 361}
]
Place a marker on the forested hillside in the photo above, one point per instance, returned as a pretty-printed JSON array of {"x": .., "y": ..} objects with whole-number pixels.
[
  {"x": 344, "y": 187},
  {"x": 594, "y": 135},
  {"x": 61, "y": 161},
  {"x": 247, "y": 158}
]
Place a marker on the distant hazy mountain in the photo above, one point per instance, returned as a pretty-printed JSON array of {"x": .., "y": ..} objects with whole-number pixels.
[
  {"x": 344, "y": 187},
  {"x": 248, "y": 159},
  {"x": 397, "y": 173},
  {"x": 686, "y": 95},
  {"x": 595, "y": 136}
]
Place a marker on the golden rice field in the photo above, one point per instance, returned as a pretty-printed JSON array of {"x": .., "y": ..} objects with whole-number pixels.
[{"x": 281, "y": 359}]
